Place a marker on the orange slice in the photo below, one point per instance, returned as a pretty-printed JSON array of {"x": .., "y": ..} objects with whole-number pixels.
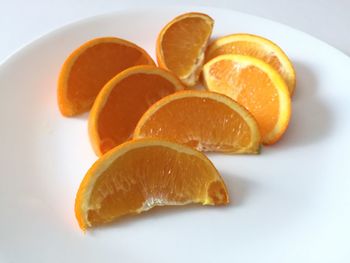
[
  {"x": 181, "y": 45},
  {"x": 90, "y": 67},
  {"x": 207, "y": 121},
  {"x": 138, "y": 175},
  {"x": 255, "y": 85},
  {"x": 123, "y": 100},
  {"x": 255, "y": 46}
]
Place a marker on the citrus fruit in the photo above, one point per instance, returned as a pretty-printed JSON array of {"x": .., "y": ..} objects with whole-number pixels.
[
  {"x": 255, "y": 85},
  {"x": 181, "y": 45},
  {"x": 204, "y": 120},
  {"x": 90, "y": 67},
  {"x": 123, "y": 100},
  {"x": 256, "y": 46},
  {"x": 138, "y": 175}
]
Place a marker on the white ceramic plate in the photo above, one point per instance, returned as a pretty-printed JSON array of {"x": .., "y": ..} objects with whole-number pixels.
[{"x": 290, "y": 204}]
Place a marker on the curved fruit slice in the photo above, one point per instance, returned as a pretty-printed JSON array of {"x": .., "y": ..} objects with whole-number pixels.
[
  {"x": 255, "y": 85},
  {"x": 90, "y": 67},
  {"x": 181, "y": 45},
  {"x": 123, "y": 100},
  {"x": 255, "y": 46},
  {"x": 207, "y": 121},
  {"x": 138, "y": 175}
]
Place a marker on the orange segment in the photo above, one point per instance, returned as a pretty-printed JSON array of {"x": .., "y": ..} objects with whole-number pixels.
[
  {"x": 207, "y": 121},
  {"x": 181, "y": 45},
  {"x": 123, "y": 100},
  {"x": 255, "y": 46},
  {"x": 90, "y": 67},
  {"x": 138, "y": 175},
  {"x": 255, "y": 85}
]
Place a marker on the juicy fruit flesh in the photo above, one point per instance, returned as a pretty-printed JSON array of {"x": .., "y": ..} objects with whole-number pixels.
[
  {"x": 202, "y": 123},
  {"x": 125, "y": 105},
  {"x": 182, "y": 43},
  {"x": 248, "y": 49},
  {"x": 250, "y": 87},
  {"x": 147, "y": 177},
  {"x": 257, "y": 50},
  {"x": 95, "y": 67}
]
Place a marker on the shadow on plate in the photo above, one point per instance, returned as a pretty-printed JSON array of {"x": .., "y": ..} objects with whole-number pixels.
[
  {"x": 312, "y": 119},
  {"x": 82, "y": 117},
  {"x": 238, "y": 188}
]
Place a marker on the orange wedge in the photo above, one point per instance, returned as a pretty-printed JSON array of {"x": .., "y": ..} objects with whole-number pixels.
[
  {"x": 181, "y": 45},
  {"x": 90, "y": 67},
  {"x": 255, "y": 46},
  {"x": 123, "y": 100},
  {"x": 255, "y": 85},
  {"x": 204, "y": 120},
  {"x": 138, "y": 175}
]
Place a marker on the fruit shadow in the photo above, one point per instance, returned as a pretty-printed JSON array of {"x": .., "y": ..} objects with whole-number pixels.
[
  {"x": 237, "y": 187},
  {"x": 82, "y": 117},
  {"x": 312, "y": 119}
]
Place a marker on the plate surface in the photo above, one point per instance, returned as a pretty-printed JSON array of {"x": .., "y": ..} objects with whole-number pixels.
[{"x": 289, "y": 204}]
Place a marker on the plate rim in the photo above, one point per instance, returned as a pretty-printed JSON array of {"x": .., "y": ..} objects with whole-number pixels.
[{"x": 17, "y": 52}]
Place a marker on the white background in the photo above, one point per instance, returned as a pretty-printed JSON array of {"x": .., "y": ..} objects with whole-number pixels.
[{"x": 22, "y": 21}]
